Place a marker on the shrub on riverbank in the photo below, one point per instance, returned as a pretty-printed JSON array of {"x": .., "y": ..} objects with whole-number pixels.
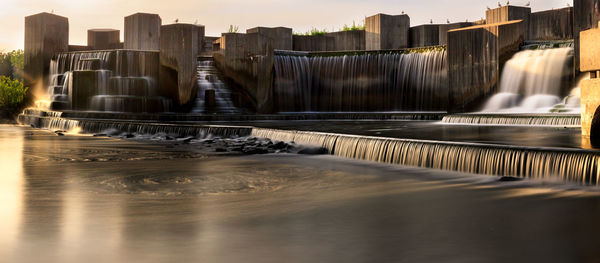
[{"x": 12, "y": 96}]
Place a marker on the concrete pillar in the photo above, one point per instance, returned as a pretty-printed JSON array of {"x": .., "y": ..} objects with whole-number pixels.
[
  {"x": 590, "y": 89},
  {"x": 586, "y": 15},
  {"x": 387, "y": 32},
  {"x": 45, "y": 35},
  {"x": 103, "y": 39},
  {"x": 178, "y": 60},
  {"x": 425, "y": 35},
  {"x": 443, "y": 31},
  {"x": 475, "y": 56},
  {"x": 142, "y": 31},
  {"x": 278, "y": 37},
  {"x": 510, "y": 13}
]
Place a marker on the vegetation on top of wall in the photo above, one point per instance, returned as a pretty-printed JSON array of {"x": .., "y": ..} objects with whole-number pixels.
[
  {"x": 365, "y": 52},
  {"x": 313, "y": 32},
  {"x": 354, "y": 27},
  {"x": 233, "y": 29}
]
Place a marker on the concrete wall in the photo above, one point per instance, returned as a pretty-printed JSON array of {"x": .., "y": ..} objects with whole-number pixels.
[
  {"x": 425, "y": 35},
  {"x": 142, "y": 31},
  {"x": 443, "y": 31},
  {"x": 179, "y": 45},
  {"x": 278, "y": 37},
  {"x": 551, "y": 25},
  {"x": 475, "y": 57},
  {"x": 387, "y": 32},
  {"x": 586, "y": 15},
  {"x": 208, "y": 44},
  {"x": 590, "y": 89},
  {"x": 348, "y": 40},
  {"x": 45, "y": 35},
  {"x": 103, "y": 39},
  {"x": 313, "y": 43},
  {"x": 510, "y": 13}
]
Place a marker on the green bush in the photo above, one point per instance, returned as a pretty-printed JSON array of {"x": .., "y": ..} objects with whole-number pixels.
[{"x": 12, "y": 95}]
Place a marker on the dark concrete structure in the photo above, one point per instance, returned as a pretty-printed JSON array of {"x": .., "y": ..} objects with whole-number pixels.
[
  {"x": 84, "y": 85},
  {"x": 348, "y": 40},
  {"x": 475, "y": 56},
  {"x": 45, "y": 35},
  {"x": 425, "y": 35},
  {"x": 590, "y": 89},
  {"x": 443, "y": 31},
  {"x": 510, "y": 13},
  {"x": 278, "y": 37},
  {"x": 586, "y": 15},
  {"x": 103, "y": 39},
  {"x": 556, "y": 24},
  {"x": 313, "y": 43},
  {"x": 142, "y": 31},
  {"x": 179, "y": 45},
  {"x": 387, "y": 32}
]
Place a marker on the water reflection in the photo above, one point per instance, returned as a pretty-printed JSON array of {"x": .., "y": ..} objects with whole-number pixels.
[{"x": 60, "y": 202}]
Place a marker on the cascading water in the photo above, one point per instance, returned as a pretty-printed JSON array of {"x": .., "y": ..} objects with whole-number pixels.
[
  {"x": 367, "y": 82},
  {"x": 122, "y": 80},
  {"x": 209, "y": 79},
  {"x": 532, "y": 81}
]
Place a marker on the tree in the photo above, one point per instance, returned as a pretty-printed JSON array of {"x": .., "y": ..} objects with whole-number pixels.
[{"x": 12, "y": 95}]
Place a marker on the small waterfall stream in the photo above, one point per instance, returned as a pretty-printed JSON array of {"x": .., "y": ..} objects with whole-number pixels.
[
  {"x": 209, "y": 79},
  {"x": 533, "y": 81},
  {"x": 367, "y": 82}
]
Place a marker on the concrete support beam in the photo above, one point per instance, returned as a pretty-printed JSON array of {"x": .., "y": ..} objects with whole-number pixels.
[
  {"x": 425, "y": 35},
  {"x": 178, "y": 58},
  {"x": 142, "y": 31},
  {"x": 45, "y": 35},
  {"x": 586, "y": 15},
  {"x": 387, "y": 32},
  {"x": 103, "y": 39},
  {"x": 475, "y": 56},
  {"x": 510, "y": 13}
]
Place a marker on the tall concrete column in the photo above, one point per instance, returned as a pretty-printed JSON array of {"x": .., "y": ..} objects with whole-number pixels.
[
  {"x": 45, "y": 35},
  {"x": 387, "y": 32},
  {"x": 590, "y": 89},
  {"x": 178, "y": 60},
  {"x": 586, "y": 15},
  {"x": 142, "y": 31},
  {"x": 103, "y": 39}
]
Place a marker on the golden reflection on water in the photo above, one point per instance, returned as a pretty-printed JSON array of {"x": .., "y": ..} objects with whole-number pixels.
[{"x": 11, "y": 187}]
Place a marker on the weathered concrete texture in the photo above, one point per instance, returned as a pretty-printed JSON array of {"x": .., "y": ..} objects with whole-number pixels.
[
  {"x": 510, "y": 13},
  {"x": 425, "y": 35},
  {"x": 142, "y": 31},
  {"x": 314, "y": 43},
  {"x": 178, "y": 52},
  {"x": 443, "y": 37},
  {"x": 85, "y": 84},
  {"x": 45, "y": 35},
  {"x": 554, "y": 24},
  {"x": 387, "y": 32},
  {"x": 278, "y": 37},
  {"x": 475, "y": 57},
  {"x": 103, "y": 39},
  {"x": 209, "y": 44},
  {"x": 348, "y": 40},
  {"x": 586, "y": 15},
  {"x": 590, "y": 101},
  {"x": 77, "y": 48},
  {"x": 590, "y": 51}
]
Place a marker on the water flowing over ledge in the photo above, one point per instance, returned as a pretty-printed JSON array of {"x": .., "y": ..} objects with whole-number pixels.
[
  {"x": 575, "y": 165},
  {"x": 558, "y": 120}
]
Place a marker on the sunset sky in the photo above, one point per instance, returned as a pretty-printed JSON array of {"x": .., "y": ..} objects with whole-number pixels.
[{"x": 217, "y": 15}]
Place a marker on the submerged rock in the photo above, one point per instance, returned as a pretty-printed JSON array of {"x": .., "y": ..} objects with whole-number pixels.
[{"x": 509, "y": 179}]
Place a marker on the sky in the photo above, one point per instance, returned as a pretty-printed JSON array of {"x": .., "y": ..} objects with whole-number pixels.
[{"x": 217, "y": 15}]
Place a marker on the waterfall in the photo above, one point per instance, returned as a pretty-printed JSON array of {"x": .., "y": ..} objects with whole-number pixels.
[
  {"x": 366, "y": 82},
  {"x": 532, "y": 81},
  {"x": 121, "y": 81},
  {"x": 209, "y": 79}
]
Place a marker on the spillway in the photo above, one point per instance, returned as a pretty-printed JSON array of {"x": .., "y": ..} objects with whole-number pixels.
[
  {"x": 210, "y": 82},
  {"x": 390, "y": 81}
]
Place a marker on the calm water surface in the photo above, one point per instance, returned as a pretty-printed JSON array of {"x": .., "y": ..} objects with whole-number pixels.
[{"x": 88, "y": 199}]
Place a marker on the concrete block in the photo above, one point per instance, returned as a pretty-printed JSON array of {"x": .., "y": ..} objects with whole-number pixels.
[
  {"x": 279, "y": 37},
  {"x": 45, "y": 35},
  {"x": 590, "y": 101},
  {"x": 387, "y": 32},
  {"x": 348, "y": 40},
  {"x": 510, "y": 13},
  {"x": 314, "y": 43},
  {"x": 84, "y": 85},
  {"x": 425, "y": 35},
  {"x": 178, "y": 58},
  {"x": 475, "y": 56},
  {"x": 103, "y": 39},
  {"x": 443, "y": 37},
  {"x": 586, "y": 15},
  {"x": 142, "y": 31},
  {"x": 590, "y": 50},
  {"x": 556, "y": 24}
]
